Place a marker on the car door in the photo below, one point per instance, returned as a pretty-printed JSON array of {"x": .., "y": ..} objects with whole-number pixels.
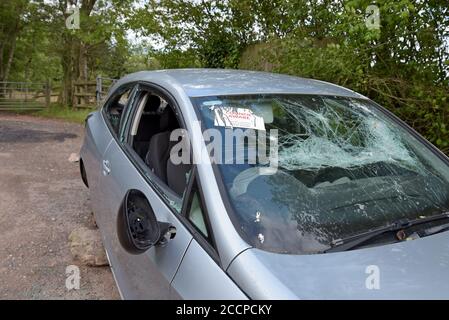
[{"x": 147, "y": 275}]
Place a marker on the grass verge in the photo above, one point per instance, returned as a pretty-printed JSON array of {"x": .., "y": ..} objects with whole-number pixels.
[{"x": 64, "y": 113}]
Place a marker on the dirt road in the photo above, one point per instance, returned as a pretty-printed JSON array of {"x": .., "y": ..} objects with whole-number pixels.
[{"x": 42, "y": 199}]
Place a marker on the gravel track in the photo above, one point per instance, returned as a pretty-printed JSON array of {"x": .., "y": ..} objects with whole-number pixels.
[{"x": 42, "y": 199}]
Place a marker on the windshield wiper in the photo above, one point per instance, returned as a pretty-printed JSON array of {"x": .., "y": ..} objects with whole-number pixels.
[{"x": 359, "y": 239}]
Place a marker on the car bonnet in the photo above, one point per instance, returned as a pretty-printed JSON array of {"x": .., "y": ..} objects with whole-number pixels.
[{"x": 417, "y": 269}]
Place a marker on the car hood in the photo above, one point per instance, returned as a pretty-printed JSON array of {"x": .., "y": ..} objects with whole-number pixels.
[{"x": 417, "y": 269}]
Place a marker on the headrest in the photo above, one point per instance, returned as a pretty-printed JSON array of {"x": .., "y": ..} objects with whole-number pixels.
[
  {"x": 152, "y": 104},
  {"x": 168, "y": 119}
]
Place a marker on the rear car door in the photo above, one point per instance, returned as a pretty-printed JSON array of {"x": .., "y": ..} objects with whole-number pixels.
[{"x": 147, "y": 275}]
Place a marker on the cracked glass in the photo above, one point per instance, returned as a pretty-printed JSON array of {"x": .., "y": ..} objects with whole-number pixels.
[{"x": 343, "y": 167}]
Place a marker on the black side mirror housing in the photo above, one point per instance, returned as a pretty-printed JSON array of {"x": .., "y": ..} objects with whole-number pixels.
[{"x": 137, "y": 226}]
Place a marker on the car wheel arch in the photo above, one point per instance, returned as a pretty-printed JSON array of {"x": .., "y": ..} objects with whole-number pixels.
[{"x": 83, "y": 174}]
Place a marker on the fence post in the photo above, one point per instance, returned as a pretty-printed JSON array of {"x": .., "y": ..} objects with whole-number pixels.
[
  {"x": 26, "y": 91},
  {"x": 99, "y": 89},
  {"x": 21, "y": 94},
  {"x": 47, "y": 93}
]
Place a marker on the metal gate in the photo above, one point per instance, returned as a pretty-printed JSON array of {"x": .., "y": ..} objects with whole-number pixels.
[{"x": 17, "y": 96}]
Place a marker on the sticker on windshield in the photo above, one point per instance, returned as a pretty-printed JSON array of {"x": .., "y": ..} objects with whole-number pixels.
[{"x": 238, "y": 117}]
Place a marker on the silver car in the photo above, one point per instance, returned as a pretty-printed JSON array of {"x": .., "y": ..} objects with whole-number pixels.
[{"x": 288, "y": 188}]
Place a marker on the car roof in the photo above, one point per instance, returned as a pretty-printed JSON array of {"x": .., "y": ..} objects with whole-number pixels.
[{"x": 212, "y": 82}]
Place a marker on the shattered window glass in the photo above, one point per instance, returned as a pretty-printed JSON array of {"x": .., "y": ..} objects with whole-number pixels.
[{"x": 343, "y": 167}]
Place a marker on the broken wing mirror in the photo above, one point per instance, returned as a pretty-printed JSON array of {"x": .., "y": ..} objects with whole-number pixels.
[{"x": 137, "y": 226}]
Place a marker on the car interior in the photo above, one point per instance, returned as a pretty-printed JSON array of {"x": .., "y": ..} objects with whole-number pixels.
[
  {"x": 153, "y": 123},
  {"x": 115, "y": 109}
]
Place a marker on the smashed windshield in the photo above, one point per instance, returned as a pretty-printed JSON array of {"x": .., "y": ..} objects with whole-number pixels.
[{"x": 328, "y": 168}]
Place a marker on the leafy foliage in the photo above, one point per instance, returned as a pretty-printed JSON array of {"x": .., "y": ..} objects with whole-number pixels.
[{"x": 403, "y": 65}]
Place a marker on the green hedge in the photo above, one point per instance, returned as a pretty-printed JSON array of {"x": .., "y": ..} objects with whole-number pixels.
[{"x": 425, "y": 107}]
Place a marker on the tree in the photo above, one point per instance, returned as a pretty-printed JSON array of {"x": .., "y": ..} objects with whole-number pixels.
[
  {"x": 12, "y": 14},
  {"x": 100, "y": 36}
]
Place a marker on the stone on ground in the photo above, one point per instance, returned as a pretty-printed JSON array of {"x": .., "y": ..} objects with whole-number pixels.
[
  {"x": 86, "y": 247},
  {"x": 74, "y": 157}
]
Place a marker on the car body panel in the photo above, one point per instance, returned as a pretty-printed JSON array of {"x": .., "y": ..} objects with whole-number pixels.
[
  {"x": 96, "y": 140},
  {"x": 210, "y": 82},
  {"x": 199, "y": 277},
  {"x": 416, "y": 269}
]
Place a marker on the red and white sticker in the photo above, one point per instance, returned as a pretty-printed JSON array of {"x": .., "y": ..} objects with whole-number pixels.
[{"x": 232, "y": 117}]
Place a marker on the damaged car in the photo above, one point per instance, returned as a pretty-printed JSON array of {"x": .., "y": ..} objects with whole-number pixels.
[{"x": 288, "y": 188}]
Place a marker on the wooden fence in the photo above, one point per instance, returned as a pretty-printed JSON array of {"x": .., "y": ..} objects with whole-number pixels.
[
  {"x": 84, "y": 95},
  {"x": 88, "y": 94}
]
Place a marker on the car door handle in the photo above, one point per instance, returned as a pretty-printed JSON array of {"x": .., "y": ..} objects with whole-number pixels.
[{"x": 106, "y": 167}]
